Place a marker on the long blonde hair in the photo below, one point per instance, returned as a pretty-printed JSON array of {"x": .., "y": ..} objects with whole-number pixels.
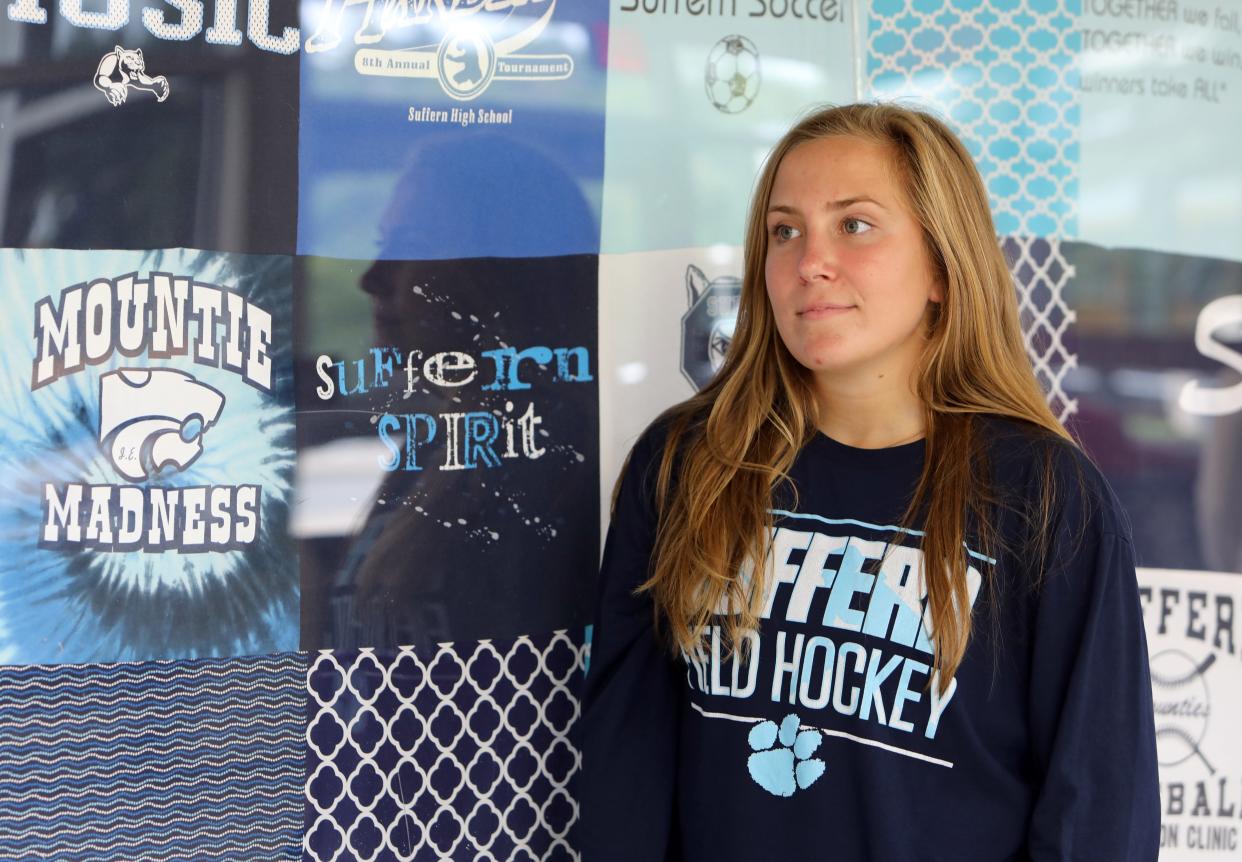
[{"x": 731, "y": 445}]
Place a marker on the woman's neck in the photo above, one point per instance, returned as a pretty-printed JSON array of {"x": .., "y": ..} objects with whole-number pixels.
[{"x": 873, "y": 414}]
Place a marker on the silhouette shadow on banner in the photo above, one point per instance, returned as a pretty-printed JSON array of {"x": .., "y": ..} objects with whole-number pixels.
[{"x": 448, "y": 423}]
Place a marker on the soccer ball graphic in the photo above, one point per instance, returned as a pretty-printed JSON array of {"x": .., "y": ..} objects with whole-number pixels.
[{"x": 733, "y": 74}]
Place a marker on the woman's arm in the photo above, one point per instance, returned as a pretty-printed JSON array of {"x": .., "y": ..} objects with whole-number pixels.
[
  {"x": 630, "y": 700},
  {"x": 1091, "y": 718}
]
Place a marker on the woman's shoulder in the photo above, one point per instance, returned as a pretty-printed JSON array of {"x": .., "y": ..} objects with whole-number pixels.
[
  {"x": 642, "y": 463},
  {"x": 681, "y": 420},
  {"x": 1032, "y": 465}
]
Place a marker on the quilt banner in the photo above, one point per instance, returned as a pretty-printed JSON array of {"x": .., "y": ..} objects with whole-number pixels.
[
  {"x": 149, "y": 125},
  {"x": 146, "y": 402},
  {"x": 447, "y": 456}
]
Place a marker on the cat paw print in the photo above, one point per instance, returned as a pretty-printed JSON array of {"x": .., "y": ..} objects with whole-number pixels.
[{"x": 787, "y": 767}]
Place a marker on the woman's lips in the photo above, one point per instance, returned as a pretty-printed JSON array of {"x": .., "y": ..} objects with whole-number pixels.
[{"x": 824, "y": 309}]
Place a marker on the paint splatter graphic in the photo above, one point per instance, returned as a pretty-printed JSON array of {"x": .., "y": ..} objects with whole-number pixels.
[{"x": 455, "y": 534}]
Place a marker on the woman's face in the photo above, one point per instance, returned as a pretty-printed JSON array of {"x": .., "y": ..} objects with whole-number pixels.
[{"x": 849, "y": 279}]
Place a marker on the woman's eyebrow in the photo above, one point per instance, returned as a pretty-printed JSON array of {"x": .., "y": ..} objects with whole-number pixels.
[
  {"x": 829, "y": 205},
  {"x": 846, "y": 202}
]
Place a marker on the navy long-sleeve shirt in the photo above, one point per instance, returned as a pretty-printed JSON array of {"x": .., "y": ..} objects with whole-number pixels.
[{"x": 828, "y": 743}]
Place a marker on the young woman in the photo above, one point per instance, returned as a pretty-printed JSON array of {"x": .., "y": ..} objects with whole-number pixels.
[{"x": 862, "y": 597}]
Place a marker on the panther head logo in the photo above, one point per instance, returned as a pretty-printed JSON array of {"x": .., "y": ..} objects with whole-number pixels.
[
  {"x": 130, "y": 60},
  {"x": 153, "y": 418},
  {"x": 123, "y": 69}
]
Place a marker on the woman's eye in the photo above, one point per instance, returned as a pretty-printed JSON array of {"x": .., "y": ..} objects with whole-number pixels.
[
  {"x": 856, "y": 221},
  {"x": 784, "y": 232}
]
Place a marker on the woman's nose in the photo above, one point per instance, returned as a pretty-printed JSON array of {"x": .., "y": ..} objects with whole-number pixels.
[{"x": 818, "y": 260}]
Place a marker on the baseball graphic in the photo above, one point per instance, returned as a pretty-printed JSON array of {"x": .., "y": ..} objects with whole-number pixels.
[{"x": 1182, "y": 705}]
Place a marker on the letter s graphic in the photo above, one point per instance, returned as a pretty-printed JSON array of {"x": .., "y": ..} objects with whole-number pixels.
[{"x": 1215, "y": 401}]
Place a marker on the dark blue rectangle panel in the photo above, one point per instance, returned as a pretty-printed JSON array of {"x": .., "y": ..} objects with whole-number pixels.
[
  {"x": 448, "y": 481},
  {"x": 149, "y": 125},
  {"x": 431, "y": 131},
  {"x": 194, "y": 760}
]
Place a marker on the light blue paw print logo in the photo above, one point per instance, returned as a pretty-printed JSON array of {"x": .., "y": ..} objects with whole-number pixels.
[{"x": 789, "y": 766}]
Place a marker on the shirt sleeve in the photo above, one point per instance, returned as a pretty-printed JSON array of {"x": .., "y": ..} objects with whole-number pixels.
[
  {"x": 1091, "y": 717},
  {"x": 630, "y": 703}
]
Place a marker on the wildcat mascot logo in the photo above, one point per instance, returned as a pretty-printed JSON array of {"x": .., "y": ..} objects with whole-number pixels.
[
  {"x": 152, "y": 420},
  {"x": 707, "y": 326},
  {"x": 122, "y": 70},
  {"x": 466, "y": 59}
]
